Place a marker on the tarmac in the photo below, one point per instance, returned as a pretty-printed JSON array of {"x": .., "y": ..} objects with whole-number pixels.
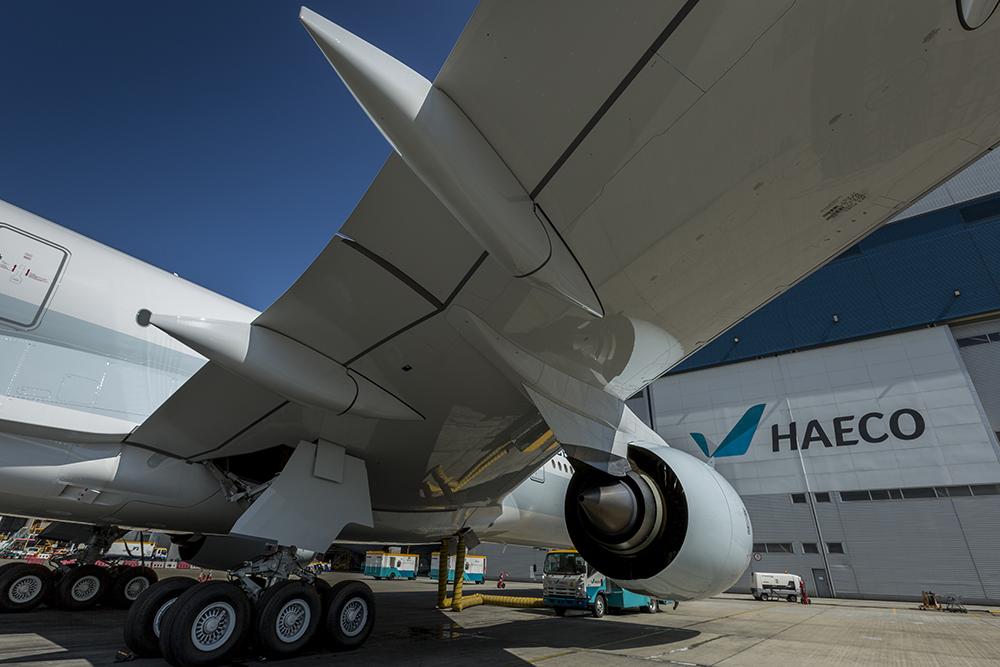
[{"x": 729, "y": 630}]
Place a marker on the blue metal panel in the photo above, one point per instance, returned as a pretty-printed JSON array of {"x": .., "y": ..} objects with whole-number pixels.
[
  {"x": 845, "y": 289},
  {"x": 902, "y": 276}
]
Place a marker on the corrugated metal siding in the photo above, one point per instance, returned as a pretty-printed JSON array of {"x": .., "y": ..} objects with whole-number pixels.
[
  {"x": 776, "y": 518},
  {"x": 513, "y": 559},
  {"x": 893, "y": 549},
  {"x": 902, "y": 276},
  {"x": 983, "y": 364},
  {"x": 980, "y": 179},
  {"x": 904, "y": 547},
  {"x": 780, "y": 520},
  {"x": 991, "y": 325},
  {"x": 980, "y": 521}
]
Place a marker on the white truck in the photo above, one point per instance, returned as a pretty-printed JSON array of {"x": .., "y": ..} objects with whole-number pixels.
[
  {"x": 773, "y": 586},
  {"x": 132, "y": 549}
]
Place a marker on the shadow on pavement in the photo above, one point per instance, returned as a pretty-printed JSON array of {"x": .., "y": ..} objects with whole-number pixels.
[{"x": 408, "y": 631}]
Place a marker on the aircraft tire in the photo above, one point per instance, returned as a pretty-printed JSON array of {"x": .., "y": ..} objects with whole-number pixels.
[
  {"x": 142, "y": 626},
  {"x": 23, "y": 586},
  {"x": 350, "y": 615},
  {"x": 128, "y": 583},
  {"x": 287, "y": 617},
  {"x": 207, "y": 625},
  {"x": 81, "y": 587}
]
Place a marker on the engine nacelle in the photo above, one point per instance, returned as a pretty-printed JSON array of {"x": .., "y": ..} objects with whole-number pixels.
[{"x": 673, "y": 528}]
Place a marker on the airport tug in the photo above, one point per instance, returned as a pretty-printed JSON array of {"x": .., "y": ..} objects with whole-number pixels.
[{"x": 569, "y": 582}]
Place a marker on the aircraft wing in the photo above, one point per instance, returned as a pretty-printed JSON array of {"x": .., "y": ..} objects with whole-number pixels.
[{"x": 686, "y": 161}]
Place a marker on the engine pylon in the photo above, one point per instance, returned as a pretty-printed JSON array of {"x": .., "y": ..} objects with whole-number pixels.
[
  {"x": 448, "y": 153},
  {"x": 284, "y": 366}
]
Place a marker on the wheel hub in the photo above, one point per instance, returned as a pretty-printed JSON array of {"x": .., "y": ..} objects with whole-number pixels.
[
  {"x": 135, "y": 587},
  {"x": 353, "y": 617},
  {"x": 85, "y": 588},
  {"x": 213, "y": 626},
  {"x": 25, "y": 589},
  {"x": 292, "y": 621},
  {"x": 159, "y": 616}
]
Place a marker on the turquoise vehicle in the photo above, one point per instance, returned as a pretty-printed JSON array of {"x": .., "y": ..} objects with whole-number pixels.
[
  {"x": 475, "y": 568},
  {"x": 569, "y": 582},
  {"x": 388, "y": 565}
]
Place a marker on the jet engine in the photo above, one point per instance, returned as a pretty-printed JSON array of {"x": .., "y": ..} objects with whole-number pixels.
[{"x": 672, "y": 528}]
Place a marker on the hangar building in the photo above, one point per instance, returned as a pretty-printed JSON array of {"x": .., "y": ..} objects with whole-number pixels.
[{"x": 871, "y": 393}]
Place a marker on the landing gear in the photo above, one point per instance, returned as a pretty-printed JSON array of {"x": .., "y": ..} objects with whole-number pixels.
[
  {"x": 23, "y": 586},
  {"x": 81, "y": 587},
  {"x": 127, "y": 583},
  {"x": 206, "y": 625},
  {"x": 652, "y": 606},
  {"x": 350, "y": 615},
  {"x": 194, "y": 624},
  {"x": 145, "y": 617},
  {"x": 288, "y": 614}
]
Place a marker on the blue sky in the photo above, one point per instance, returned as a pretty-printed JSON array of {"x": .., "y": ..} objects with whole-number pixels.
[{"x": 211, "y": 139}]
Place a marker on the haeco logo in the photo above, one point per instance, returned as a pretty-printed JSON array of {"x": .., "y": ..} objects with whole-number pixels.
[
  {"x": 871, "y": 427},
  {"x": 737, "y": 441}
]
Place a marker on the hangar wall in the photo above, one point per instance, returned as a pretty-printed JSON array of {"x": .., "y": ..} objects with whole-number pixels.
[
  {"x": 874, "y": 465},
  {"x": 906, "y": 320}
]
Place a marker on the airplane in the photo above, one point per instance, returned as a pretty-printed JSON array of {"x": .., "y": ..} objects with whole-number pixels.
[{"x": 585, "y": 195}]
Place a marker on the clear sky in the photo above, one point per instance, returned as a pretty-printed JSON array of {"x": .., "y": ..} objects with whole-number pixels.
[{"x": 210, "y": 138}]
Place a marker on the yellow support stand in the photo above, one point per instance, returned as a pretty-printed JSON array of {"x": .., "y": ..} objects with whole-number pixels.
[
  {"x": 443, "y": 602},
  {"x": 456, "y": 596}
]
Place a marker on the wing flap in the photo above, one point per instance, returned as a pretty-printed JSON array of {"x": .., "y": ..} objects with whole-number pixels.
[
  {"x": 347, "y": 300},
  {"x": 205, "y": 414},
  {"x": 530, "y": 76},
  {"x": 402, "y": 221}
]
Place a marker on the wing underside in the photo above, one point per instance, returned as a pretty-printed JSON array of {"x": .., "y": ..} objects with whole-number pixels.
[{"x": 697, "y": 158}]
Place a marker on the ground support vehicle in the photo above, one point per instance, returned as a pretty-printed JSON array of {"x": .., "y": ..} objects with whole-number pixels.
[
  {"x": 388, "y": 565},
  {"x": 773, "y": 586}
]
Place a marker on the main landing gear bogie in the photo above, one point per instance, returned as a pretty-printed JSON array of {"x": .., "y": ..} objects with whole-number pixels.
[
  {"x": 75, "y": 587},
  {"x": 200, "y": 624}
]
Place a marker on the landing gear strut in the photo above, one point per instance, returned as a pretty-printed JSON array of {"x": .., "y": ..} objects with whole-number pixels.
[{"x": 261, "y": 606}]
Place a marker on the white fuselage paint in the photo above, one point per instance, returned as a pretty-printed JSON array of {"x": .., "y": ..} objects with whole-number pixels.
[{"x": 79, "y": 377}]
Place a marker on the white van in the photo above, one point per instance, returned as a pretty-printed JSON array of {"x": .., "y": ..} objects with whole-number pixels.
[{"x": 771, "y": 586}]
